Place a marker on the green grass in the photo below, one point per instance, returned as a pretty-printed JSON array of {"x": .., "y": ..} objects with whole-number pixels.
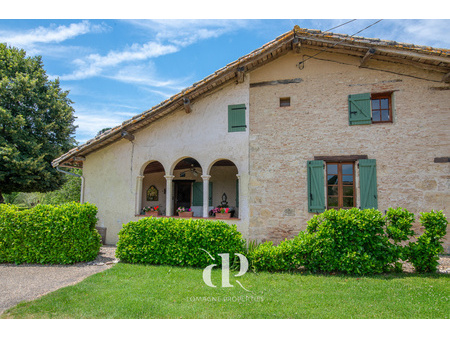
[{"x": 139, "y": 291}]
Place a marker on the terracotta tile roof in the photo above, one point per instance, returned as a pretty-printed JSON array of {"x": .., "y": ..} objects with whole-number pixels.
[{"x": 424, "y": 56}]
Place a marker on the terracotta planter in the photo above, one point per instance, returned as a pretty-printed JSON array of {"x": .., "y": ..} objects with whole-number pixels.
[
  {"x": 152, "y": 213},
  {"x": 223, "y": 216},
  {"x": 186, "y": 214}
]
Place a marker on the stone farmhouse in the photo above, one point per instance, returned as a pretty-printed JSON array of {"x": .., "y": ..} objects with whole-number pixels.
[{"x": 311, "y": 120}]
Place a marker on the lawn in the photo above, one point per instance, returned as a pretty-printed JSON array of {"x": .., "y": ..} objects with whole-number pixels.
[{"x": 139, "y": 291}]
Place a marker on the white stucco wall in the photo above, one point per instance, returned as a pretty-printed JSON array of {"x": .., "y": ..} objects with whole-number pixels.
[{"x": 111, "y": 173}]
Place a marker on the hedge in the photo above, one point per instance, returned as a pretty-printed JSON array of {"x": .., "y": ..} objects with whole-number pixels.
[
  {"x": 182, "y": 242},
  {"x": 356, "y": 242},
  {"x": 47, "y": 234},
  {"x": 424, "y": 253}
]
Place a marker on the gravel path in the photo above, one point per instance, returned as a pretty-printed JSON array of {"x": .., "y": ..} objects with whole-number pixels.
[{"x": 29, "y": 281}]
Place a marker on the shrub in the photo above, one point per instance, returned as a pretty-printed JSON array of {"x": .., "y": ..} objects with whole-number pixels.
[
  {"x": 357, "y": 242},
  {"x": 398, "y": 224},
  {"x": 399, "y": 228},
  {"x": 287, "y": 256},
  {"x": 170, "y": 241},
  {"x": 351, "y": 241},
  {"x": 48, "y": 234},
  {"x": 424, "y": 253}
]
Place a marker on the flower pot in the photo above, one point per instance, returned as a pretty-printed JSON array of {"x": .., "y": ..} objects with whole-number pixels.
[
  {"x": 187, "y": 214},
  {"x": 152, "y": 213},
  {"x": 225, "y": 215}
]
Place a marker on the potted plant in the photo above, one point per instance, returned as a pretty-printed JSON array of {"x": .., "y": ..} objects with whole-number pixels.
[
  {"x": 151, "y": 211},
  {"x": 184, "y": 212},
  {"x": 222, "y": 213}
]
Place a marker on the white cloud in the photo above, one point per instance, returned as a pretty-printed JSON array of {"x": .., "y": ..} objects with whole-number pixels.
[
  {"x": 48, "y": 35},
  {"x": 432, "y": 33},
  {"x": 95, "y": 64},
  {"x": 90, "y": 122},
  {"x": 144, "y": 75},
  {"x": 428, "y": 32},
  {"x": 169, "y": 37},
  {"x": 187, "y": 32}
]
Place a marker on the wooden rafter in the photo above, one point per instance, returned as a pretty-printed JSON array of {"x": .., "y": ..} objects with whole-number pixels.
[
  {"x": 446, "y": 78},
  {"x": 126, "y": 135},
  {"x": 367, "y": 57},
  {"x": 187, "y": 105},
  {"x": 296, "y": 45},
  {"x": 240, "y": 74}
]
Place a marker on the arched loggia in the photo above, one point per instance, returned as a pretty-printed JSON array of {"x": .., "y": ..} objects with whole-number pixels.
[
  {"x": 224, "y": 178},
  {"x": 152, "y": 192},
  {"x": 186, "y": 178}
]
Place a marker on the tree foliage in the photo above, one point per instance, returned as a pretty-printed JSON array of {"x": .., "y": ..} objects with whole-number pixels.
[
  {"x": 36, "y": 124},
  {"x": 69, "y": 192}
]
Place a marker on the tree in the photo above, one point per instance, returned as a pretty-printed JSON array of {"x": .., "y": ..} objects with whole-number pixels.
[
  {"x": 69, "y": 192},
  {"x": 103, "y": 130},
  {"x": 36, "y": 124}
]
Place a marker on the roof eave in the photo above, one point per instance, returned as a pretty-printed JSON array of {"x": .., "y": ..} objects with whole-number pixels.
[{"x": 251, "y": 61}]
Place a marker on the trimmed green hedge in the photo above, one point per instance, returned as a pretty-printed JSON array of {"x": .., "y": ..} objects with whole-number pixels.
[
  {"x": 47, "y": 234},
  {"x": 356, "y": 242},
  {"x": 170, "y": 241},
  {"x": 423, "y": 254}
]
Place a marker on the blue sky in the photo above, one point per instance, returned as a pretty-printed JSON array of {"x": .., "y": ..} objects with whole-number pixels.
[{"x": 116, "y": 69}]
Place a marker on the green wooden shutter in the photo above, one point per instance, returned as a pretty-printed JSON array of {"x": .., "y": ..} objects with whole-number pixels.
[
  {"x": 210, "y": 194},
  {"x": 316, "y": 187},
  {"x": 236, "y": 118},
  {"x": 359, "y": 109},
  {"x": 197, "y": 194},
  {"x": 368, "y": 184},
  {"x": 237, "y": 193}
]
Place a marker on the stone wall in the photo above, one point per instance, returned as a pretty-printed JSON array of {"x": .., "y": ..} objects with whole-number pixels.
[{"x": 283, "y": 139}]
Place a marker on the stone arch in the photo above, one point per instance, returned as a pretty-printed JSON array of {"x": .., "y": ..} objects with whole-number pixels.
[
  {"x": 186, "y": 174},
  {"x": 224, "y": 177},
  {"x": 208, "y": 172},
  {"x": 151, "y": 185}
]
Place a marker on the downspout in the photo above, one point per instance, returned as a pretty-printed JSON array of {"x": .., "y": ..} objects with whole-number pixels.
[{"x": 82, "y": 182}]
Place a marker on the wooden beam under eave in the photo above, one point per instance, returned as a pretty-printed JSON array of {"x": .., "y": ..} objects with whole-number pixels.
[
  {"x": 296, "y": 45},
  {"x": 240, "y": 75},
  {"x": 126, "y": 135},
  {"x": 187, "y": 105},
  {"x": 367, "y": 57},
  {"x": 446, "y": 78}
]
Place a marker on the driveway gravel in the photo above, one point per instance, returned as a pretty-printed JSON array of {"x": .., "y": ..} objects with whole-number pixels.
[{"x": 29, "y": 281}]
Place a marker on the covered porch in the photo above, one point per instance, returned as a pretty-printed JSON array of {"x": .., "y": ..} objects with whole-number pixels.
[{"x": 201, "y": 191}]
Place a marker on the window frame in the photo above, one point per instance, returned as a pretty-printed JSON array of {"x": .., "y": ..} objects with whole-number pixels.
[
  {"x": 379, "y": 96},
  {"x": 340, "y": 184},
  {"x": 285, "y": 101}
]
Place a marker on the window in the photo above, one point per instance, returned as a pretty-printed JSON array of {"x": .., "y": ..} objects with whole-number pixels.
[
  {"x": 331, "y": 183},
  {"x": 369, "y": 108},
  {"x": 285, "y": 101},
  {"x": 236, "y": 118},
  {"x": 381, "y": 108},
  {"x": 340, "y": 186}
]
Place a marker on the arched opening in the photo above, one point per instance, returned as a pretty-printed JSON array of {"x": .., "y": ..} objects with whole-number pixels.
[
  {"x": 187, "y": 181},
  {"x": 153, "y": 189},
  {"x": 225, "y": 187}
]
